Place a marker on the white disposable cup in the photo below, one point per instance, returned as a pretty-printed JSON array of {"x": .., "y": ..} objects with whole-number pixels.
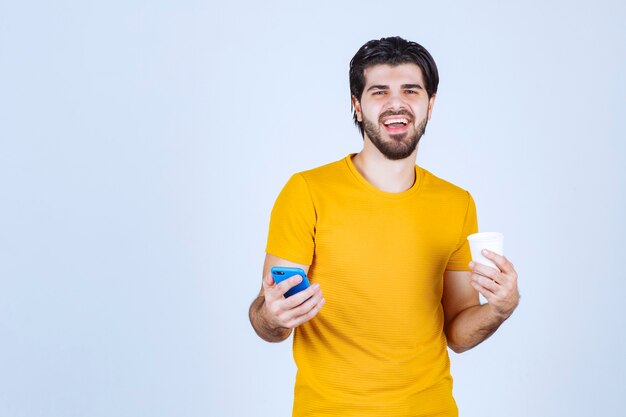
[{"x": 492, "y": 241}]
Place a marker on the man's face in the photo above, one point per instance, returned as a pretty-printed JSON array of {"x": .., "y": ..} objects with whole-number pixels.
[{"x": 394, "y": 108}]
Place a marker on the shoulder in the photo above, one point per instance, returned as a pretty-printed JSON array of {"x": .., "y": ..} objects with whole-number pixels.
[
  {"x": 436, "y": 186},
  {"x": 313, "y": 180},
  {"x": 325, "y": 172},
  {"x": 322, "y": 177}
]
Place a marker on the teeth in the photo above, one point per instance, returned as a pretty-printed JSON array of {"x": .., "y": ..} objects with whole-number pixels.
[{"x": 390, "y": 121}]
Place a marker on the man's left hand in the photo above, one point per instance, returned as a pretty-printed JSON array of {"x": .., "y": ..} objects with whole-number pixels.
[{"x": 498, "y": 286}]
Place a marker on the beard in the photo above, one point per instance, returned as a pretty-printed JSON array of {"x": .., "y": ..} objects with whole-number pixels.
[{"x": 398, "y": 146}]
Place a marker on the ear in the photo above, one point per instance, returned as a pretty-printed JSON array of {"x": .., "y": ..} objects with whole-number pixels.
[
  {"x": 357, "y": 109},
  {"x": 431, "y": 103}
]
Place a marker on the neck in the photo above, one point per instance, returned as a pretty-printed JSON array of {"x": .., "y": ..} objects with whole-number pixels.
[{"x": 386, "y": 175}]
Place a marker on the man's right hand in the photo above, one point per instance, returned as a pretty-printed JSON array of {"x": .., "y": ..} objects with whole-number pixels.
[
  {"x": 271, "y": 314},
  {"x": 289, "y": 312}
]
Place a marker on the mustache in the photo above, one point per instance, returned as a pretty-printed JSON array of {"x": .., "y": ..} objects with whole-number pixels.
[{"x": 401, "y": 112}]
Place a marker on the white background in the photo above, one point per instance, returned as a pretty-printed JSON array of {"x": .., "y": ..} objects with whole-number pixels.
[{"x": 142, "y": 144}]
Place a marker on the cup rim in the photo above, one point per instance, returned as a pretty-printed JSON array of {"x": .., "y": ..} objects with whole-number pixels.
[{"x": 484, "y": 236}]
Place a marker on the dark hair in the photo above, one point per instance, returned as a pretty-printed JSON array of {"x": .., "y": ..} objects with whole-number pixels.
[{"x": 391, "y": 51}]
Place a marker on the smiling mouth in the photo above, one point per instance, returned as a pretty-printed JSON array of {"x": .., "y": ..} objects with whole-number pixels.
[{"x": 396, "y": 124}]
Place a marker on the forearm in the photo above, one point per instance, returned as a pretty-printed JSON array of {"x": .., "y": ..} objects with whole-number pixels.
[
  {"x": 472, "y": 326},
  {"x": 262, "y": 326}
]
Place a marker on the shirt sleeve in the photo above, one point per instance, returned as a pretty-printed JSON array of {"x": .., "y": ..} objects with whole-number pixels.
[
  {"x": 292, "y": 223},
  {"x": 461, "y": 256}
]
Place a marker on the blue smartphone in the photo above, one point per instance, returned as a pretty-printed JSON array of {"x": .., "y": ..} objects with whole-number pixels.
[{"x": 281, "y": 273}]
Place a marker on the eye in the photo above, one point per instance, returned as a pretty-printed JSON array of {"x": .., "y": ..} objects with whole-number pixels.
[
  {"x": 411, "y": 92},
  {"x": 379, "y": 93}
]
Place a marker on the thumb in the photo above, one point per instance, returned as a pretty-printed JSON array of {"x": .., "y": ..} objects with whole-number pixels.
[{"x": 268, "y": 280}]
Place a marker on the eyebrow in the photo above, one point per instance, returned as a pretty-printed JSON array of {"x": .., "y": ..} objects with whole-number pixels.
[{"x": 403, "y": 86}]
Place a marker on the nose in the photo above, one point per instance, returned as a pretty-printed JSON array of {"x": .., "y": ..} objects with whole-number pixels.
[{"x": 395, "y": 101}]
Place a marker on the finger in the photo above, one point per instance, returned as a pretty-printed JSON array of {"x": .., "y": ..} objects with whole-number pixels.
[
  {"x": 484, "y": 270},
  {"x": 486, "y": 283},
  {"x": 289, "y": 309},
  {"x": 308, "y": 315},
  {"x": 268, "y": 280},
  {"x": 305, "y": 306},
  {"x": 297, "y": 299},
  {"x": 288, "y": 284},
  {"x": 500, "y": 260},
  {"x": 485, "y": 292}
]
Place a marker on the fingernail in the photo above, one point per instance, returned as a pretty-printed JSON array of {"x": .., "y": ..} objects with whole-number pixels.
[
  {"x": 316, "y": 286},
  {"x": 485, "y": 252},
  {"x": 471, "y": 264}
]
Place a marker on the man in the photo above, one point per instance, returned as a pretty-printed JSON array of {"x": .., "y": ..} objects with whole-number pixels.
[{"x": 386, "y": 241}]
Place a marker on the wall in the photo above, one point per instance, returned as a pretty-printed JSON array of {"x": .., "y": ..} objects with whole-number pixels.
[{"x": 142, "y": 145}]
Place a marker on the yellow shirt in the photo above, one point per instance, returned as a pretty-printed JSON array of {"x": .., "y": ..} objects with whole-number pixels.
[{"x": 377, "y": 347}]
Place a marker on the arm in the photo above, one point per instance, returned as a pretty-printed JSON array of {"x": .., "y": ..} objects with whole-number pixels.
[
  {"x": 467, "y": 323},
  {"x": 271, "y": 314}
]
